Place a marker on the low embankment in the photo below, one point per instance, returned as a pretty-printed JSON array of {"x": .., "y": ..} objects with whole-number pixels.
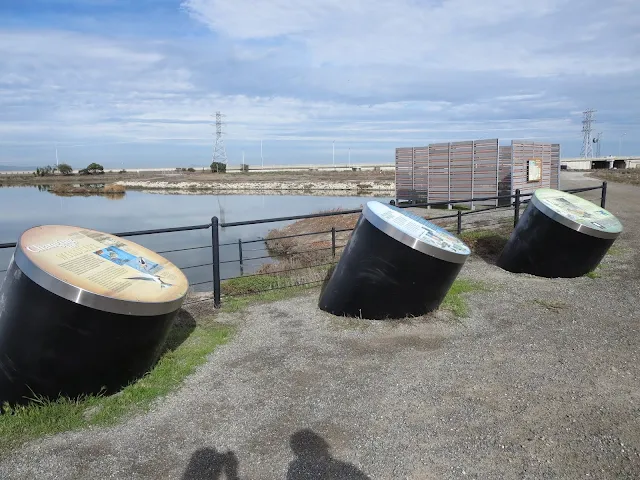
[
  {"x": 66, "y": 190},
  {"x": 325, "y": 187}
]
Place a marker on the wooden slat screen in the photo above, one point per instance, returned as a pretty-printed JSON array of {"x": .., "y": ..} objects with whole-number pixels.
[
  {"x": 447, "y": 171},
  {"x": 522, "y": 152}
]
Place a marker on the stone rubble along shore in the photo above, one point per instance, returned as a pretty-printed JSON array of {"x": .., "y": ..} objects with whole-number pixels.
[{"x": 262, "y": 186}]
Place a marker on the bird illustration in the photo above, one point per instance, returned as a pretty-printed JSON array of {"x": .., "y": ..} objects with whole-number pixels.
[
  {"x": 153, "y": 278},
  {"x": 142, "y": 263}
]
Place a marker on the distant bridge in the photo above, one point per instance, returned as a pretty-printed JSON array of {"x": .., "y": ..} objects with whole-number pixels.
[{"x": 580, "y": 163}]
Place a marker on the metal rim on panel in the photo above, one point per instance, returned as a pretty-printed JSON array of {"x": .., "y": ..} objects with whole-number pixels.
[
  {"x": 410, "y": 241},
  {"x": 567, "y": 222},
  {"x": 89, "y": 299}
]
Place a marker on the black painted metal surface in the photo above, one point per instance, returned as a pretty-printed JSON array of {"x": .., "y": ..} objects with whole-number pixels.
[
  {"x": 542, "y": 246},
  {"x": 51, "y": 346},
  {"x": 379, "y": 277}
]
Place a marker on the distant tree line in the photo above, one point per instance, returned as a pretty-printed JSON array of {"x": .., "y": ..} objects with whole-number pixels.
[{"x": 66, "y": 169}]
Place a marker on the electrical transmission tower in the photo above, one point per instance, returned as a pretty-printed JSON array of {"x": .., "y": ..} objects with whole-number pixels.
[
  {"x": 587, "y": 140},
  {"x": 219, "y": 152}
]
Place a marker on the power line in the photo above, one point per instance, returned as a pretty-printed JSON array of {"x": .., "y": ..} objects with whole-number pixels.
[
  {"x": 219, "y": 152},
  {"x": 587, "y": 139}
]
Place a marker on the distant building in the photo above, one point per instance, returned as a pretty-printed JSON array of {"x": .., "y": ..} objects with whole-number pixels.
[{"x": 445, "y": 172}]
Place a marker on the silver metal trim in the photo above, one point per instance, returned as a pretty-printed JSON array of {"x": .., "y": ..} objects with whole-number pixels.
[
  {"x": 567, "y": 222},
  {"x": 410, "y": 241},
  {"x": 89, "y": 299}
]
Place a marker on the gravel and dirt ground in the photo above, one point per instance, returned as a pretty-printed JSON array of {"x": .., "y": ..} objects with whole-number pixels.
[{"x": 540, "y": 381}]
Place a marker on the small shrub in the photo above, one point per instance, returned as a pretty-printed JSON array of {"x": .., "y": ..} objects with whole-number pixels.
[
  {"x": 218, "y": 167},
  {"x": 65, "y": 169},
  {"x": 45, "y": 171},
  {"x": 95, "y": 169},
  {"x": 191, "y": 169}
]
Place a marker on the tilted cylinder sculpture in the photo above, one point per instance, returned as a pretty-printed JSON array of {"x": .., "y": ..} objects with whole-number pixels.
[
  {"x": 395, "y": 265},
  {"x": 559, "y": 235},
  {"x": 82, "y": 312}
]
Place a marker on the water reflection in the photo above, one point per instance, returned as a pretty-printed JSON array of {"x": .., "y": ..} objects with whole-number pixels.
[{"x": 141, "y": 211}]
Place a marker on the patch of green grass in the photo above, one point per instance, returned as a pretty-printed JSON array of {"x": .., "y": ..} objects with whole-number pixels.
[
  {"x": 453, "y": 207},
  {"x": 460, "y": 207},
  {"x": 455, "y": 301},
  {"x": 471, "y": 236},
  {"x": 249, "y": 285},
  {"x": 616, "y": 251},
  {"x": 486, "y": 243},
  {"x": 592, "y": 274},
  {"x": 240, "y": 292},
  {"x": 43, "y": 417},
  {"x": 235, "y": 304}
]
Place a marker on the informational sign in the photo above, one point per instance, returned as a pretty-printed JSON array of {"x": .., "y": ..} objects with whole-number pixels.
[
  {"x": 579, "y": 210},
  {"x": 103, "y": 264},
  {"x": 419, "y": 228},
  {"x": 534, "y": 170}
]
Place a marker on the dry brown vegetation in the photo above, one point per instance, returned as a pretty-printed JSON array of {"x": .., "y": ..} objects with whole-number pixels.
[
  {"x": 311, "y": 243},
  {"x": 628, "y": 175},
  {"x": 66, "y": 190},
  {"x": 297, "y": 253}
]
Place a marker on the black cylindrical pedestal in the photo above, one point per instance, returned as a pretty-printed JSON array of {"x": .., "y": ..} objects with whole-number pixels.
[
  {"x": 76, "y": 341},
  {"x": 395, "y": 265},
  {"x": 559, "y": 235}
]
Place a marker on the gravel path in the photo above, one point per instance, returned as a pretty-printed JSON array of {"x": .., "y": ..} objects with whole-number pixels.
[{"x": 541, "y": 381}]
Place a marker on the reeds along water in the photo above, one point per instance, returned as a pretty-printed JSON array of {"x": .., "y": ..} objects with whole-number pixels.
[{"x": 113, "y": 191}]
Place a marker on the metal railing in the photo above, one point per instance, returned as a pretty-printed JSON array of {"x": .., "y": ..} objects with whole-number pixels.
[{"x": 515, "y": 202}]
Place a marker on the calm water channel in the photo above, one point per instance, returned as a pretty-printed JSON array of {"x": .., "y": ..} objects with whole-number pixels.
[{"x": 25, "y": 207}]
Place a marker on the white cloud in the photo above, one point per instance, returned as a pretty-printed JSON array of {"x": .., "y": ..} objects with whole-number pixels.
[
  {"x": 374, "y": 72},
  {"x": 451, "y": 35}
]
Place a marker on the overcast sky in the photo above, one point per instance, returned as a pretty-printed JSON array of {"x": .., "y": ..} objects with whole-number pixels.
[{"x": 134, "y": 83}]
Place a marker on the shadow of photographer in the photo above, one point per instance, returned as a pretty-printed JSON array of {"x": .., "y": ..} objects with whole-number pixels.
[
  {"x": 209, "y": 464},
  {"x": 313, "y": 461}
]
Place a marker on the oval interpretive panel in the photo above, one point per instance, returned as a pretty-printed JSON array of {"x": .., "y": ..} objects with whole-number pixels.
[
  {"x": 577, "y": 213},
  {"x": 416, "y": 232},
  {"x": 100, "y": 270}
]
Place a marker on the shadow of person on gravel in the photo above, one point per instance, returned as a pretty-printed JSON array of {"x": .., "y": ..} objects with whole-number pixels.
[
  {"x": 313, "y": 460},
  {"x": 208, "y": 464}
]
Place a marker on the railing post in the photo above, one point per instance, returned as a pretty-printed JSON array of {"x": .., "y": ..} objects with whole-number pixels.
[
  {"x": 215, "y": 253},
  {"x": 240, "y": 256},
  {"x": 516, "y": 208},
  {"x": 333, "y": 242},
  {"x": 459, "y": 222},
  {"x": 603, "y": 199}
]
